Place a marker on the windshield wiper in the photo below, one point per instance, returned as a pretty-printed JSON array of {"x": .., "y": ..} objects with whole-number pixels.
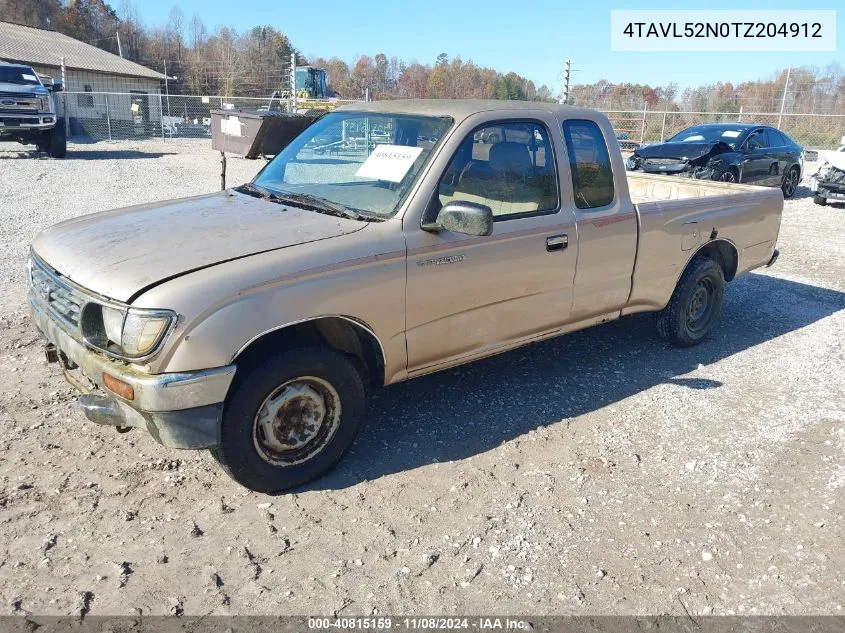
[
  {"x": 251, "y": 189},
  {"x": 318, "y": 203},
  {"x": 307, "y": 201}
]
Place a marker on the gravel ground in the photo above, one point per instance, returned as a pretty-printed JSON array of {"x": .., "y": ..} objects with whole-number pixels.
[{"x": 603, "y": 472}]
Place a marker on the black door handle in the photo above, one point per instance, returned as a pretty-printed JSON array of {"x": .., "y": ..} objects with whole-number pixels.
[{"x": 557, "y": 242}]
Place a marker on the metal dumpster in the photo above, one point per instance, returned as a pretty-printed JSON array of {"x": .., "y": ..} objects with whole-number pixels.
[{"x": 254, "y": 133}]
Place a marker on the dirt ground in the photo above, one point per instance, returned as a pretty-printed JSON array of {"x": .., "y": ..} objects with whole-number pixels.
[{"x": 603, "y": 472}]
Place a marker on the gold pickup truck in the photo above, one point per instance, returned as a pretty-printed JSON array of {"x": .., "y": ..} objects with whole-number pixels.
[{"x": 389, "y": 240}]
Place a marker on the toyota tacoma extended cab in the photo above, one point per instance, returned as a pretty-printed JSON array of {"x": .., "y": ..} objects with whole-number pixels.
[
  {"x": 28, "y": 110},
  {"x": 250, "y": 321}
]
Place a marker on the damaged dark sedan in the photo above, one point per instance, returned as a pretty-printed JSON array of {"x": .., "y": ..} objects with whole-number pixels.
[{"x": 730, "y": 152}]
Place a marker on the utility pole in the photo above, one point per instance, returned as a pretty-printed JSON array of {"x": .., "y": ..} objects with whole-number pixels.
[
  {"x": 783, "y": 99},
  {"x": 566, "y": 69},
  {"x": 119, "y": 49}
]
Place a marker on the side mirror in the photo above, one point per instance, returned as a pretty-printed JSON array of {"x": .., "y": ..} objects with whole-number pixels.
[
  {"x": 57, "y": 86},
  {"x": 469, "y": 218}
]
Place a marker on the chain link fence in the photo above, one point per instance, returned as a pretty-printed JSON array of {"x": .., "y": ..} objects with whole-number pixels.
[
  {"x": 813, "y": 131},
  {"x": 140, "y": 115}
]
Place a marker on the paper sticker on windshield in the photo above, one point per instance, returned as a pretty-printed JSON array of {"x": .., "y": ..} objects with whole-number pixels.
[
  {"x": 30, "y": 77},
  {"x": 730, "y": 133},
  {"x": 389, "y": 162}
]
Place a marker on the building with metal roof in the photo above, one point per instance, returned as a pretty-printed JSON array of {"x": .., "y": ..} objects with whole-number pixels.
[{"x": 102, "y": 90}]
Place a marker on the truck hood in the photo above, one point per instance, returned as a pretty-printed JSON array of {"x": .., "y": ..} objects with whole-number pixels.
[
  {"x": 35, "y": 91},
  {"x": 682, "y": 151},
  {"x": 120, "y": 253}
]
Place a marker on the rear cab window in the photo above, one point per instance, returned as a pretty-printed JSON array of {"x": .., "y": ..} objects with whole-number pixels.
[{"x": 589, "y": 164}]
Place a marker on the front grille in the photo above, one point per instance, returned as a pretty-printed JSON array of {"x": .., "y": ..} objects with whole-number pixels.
[
  {"x": 64, "y": 301},
  {"x": 663, "y": 161},
  {"x": 19, "y": 104}
]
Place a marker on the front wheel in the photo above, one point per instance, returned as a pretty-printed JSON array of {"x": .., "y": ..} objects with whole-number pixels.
[
  {"x": 58, "y": 141},
  {"x": 290, "y": 419},
  {"x": 695, "y": 306},
  {"x": 729, "y": 175}
]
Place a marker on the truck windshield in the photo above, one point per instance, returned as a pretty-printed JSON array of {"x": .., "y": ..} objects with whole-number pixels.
[
  {"x": 362, "y": 162},
  {"x": 21, "y": 75}
]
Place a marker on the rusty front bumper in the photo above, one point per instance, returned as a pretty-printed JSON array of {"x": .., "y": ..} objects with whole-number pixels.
[{"x": 180, "y": 410}]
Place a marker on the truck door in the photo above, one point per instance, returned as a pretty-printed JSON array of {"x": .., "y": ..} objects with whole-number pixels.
[
  {"x": 607, "y": 223},
  {"x": 469, "y": 295}
]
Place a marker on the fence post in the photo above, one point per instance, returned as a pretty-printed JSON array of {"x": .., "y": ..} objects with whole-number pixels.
[
  {"x": 642, "y": 129},
  {"x": 740, "y": 115},
  {"x": 64, "y": 100},
  {"x": 108, "y": 114},
  {"x": 161, "y": 115},
  {"x": 663, "y": 126}
]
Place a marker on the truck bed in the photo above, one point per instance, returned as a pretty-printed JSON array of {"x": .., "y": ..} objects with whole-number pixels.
[
  {"x": 646, "y": 188},
  {"x": 678, "y": 215}
]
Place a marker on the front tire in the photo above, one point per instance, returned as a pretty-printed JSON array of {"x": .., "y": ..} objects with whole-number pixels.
[
  {"x": 290, "y": 419},
  {"x": 729, "y": 175},
  {"x": 695, "y": 306},
  {"x": 58, "y": 141}
]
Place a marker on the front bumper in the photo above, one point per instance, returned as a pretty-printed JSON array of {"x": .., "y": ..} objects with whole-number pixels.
[
  {"x": 14, "y": 123},
  {"x": 180, "y": 410},
  {"x": 826, "y": 189}
]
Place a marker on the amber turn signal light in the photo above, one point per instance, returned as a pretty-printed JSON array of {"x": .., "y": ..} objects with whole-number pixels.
[{"x": 123, "y": 389}]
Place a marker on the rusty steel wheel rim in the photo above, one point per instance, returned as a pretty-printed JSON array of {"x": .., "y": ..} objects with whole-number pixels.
[
  {"x": 296, "y": 421},
  {"x": 701, "y": 306}
]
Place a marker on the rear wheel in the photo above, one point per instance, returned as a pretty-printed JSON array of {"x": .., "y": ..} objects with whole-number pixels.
[
  {"x": 790, "y": 183},
  {"x": 695, "y": 306},
  {"x": 820, "y": 200},
  {"x": 290, "y": 419}
]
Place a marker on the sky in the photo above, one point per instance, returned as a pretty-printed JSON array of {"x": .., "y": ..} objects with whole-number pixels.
[{"x": 531, "y": 38}]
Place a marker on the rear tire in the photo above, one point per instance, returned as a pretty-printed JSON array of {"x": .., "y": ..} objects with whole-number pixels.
[
  {"x": 695, "y": 306},
  {"x": 790, "y": 183},
  {"x": 290, "y": 419},
  {"x": 819, "y": 200},
  {"x": 58, "y": 141}
]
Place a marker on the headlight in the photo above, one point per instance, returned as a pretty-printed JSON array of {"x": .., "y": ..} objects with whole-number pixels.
[
  {"x": 112, "y": 324},
  {"x": 143, "y": 331},
  {"x": 45, "y": 104},
  {"x": 125, "y": 332}
]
